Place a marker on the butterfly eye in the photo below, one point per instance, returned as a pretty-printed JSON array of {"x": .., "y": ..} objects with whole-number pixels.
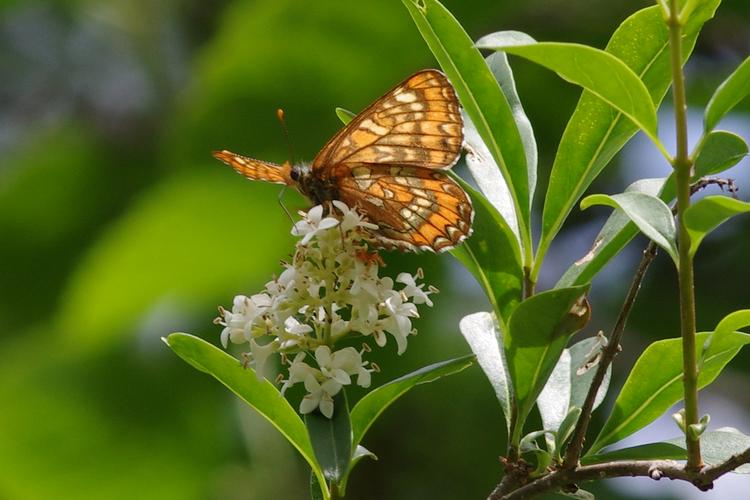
[{"x": 294, "y": 174}]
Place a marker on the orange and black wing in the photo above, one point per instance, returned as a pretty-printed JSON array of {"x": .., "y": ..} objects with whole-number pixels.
[
  {"x": 417, "y": 123},
  {"x": 415, "y": 208},
  {"x": 256, "y": 169}
]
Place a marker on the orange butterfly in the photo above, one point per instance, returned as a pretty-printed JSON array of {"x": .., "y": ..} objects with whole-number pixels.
[{"x": 389, "y": 162}]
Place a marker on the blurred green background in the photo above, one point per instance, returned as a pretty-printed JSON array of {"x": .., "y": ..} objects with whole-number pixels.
[{"x": 117, "y": 227}]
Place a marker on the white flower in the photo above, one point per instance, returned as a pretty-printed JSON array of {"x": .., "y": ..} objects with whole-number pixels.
[
  {"x": 299, "y": 371},
  {"x": 293, "y": 334},
  {"x": 260, "y": 354},
  {"x": 313, "y": 223},
  {"x": 331, "y": 289},
  {"x": 235, "y": 321},
  {"x": 398, "y": 323},
  {"x": 350, "y": 219},
  {"x": 413, "y": 290},
  {"x": 319, "y": 396}
]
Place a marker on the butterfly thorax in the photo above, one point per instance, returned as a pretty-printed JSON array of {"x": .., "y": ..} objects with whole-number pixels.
[{"x": 316, "y": 188}]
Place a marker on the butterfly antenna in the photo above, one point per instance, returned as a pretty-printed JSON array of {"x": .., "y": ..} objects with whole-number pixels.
[
  {"x": 282, "y": 120},
  {"x": 283, "y": 207}
]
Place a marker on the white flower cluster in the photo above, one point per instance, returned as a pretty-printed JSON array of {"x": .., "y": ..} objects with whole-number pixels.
[{"x": 331, "y": 290}]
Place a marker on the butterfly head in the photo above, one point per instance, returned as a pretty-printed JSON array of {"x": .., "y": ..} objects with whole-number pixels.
[
  {"x": 318, "y": 189},
  {"x": 299, "y": 173}
]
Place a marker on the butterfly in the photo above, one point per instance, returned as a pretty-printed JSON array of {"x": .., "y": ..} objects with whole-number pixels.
[{"x": 389, "y": 162}]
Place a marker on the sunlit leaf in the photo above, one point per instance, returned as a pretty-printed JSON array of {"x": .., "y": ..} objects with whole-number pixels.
[
  {"x": 481, "y": 97},
  {"x": 652, "y": 216},
  {"x": 655, "y": 384},
  {"x": 537, "y": 333},
  {"x": 616, "y": 233},
  {"x": 501, "y": 70},
  {"x": 596, "y": 132},
  {"x": 482, "y": 334},
  {"x": 492, "y": 256},
  {"x": 569, "y": 383},
  {"x": 597, "y": 71}
]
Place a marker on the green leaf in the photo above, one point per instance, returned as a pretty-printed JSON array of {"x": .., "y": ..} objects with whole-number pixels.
[
  {"x": 332, "y": 439},
  {"x": 596, "y": 132},
  {"x": 719, "y": 151},
  {"x": 720, "y": 445},
  {"x": 501, "y": 70},
  {"x": 722, "y": 336},
  {"x": 727, "y": 95},
  {"x": 567, "y": 426},
  {"x": 360, "y": 452},
  {"x": 538, "y": 330},
  {"x": 481, "y": 97},
  {"x": 716, "y": 447},
  {"x": 492, "y": 256},
  {"x": 488, "y": 177},
  {"x": 482, "y": 165},
  {"x": 655, "y": 384},
  {"x": 316, "y": 492},
  {"x": 485, "y": 340},
  {"x": 708, "y": 213},
  {"x": 344, "y": 115},
  {"x": 367, "y": 410},
  {"x": 259, "y": 393},
  {"x": 569, "y": 383},
  {"x": 616, "y": 233},
  {"x": 580, "y": 494},
  {"x": 650, "y": 451},
  {"x": 599, "y": 72},
  {"x": 533, "y": 454},
  {"x": 652, "y": 216}
]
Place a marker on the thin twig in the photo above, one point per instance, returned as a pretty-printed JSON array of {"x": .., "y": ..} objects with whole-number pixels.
[
  {"x": 573, "y": 452},
  {"x": 656, "y": 469},
  {"x": 704, "y": 182}
]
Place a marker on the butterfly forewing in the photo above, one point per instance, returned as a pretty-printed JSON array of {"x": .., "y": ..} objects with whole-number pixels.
[
  {"x": 256, "y": 169},
  {"x": 416, "y": 208},
  {"x": 417, "y": 123}
]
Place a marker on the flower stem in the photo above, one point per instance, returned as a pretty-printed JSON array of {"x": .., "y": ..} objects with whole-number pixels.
[{"x": 682, "y": 165}]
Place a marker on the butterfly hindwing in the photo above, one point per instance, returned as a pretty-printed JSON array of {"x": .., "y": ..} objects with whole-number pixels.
[
  {"x": 417, "y": 123},
  {"x": 415, "y": 208}
]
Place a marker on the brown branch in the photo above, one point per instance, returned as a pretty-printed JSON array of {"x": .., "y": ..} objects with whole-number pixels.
[
  {"x": 609, "y": 352},
  {"x": 575, "y": 447},
  {"x": 656, "y": 469}
]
